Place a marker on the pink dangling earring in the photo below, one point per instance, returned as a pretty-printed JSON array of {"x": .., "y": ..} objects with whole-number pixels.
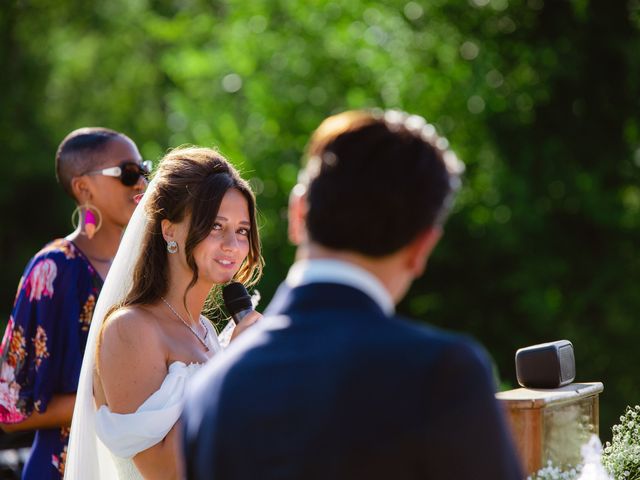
[
  {"x": 90, "y": 223},
  {"x": 89, "y": 218}
]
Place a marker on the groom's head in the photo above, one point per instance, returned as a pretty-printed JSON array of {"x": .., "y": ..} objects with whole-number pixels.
[{"x": 374, "y": 185}]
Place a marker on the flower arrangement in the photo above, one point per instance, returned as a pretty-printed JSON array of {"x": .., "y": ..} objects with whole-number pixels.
[
  {"x": 551, "y": 472},
  {"x": 620, "y": 459},
  {"x": 621, "y": 456},
  {"x": 591, "y": 467}
]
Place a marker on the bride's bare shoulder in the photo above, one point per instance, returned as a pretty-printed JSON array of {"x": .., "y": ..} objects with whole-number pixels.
[
  {"x": 131, "y": 358},
  {"x": 135, "y": 325}
]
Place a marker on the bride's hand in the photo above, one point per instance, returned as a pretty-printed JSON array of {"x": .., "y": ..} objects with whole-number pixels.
[{"x": 245, "y": 323}]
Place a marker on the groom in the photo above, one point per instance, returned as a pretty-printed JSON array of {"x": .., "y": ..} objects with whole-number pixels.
[{"x": 332, "y": 383}]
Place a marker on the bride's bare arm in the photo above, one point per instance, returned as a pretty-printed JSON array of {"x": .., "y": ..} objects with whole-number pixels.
[{"x": 133, "y": 365}]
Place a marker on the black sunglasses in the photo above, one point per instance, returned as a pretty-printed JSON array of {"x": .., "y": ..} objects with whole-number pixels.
[{"x": 129, "y": 172}]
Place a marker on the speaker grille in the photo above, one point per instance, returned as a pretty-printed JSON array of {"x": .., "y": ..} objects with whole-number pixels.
[{"x": 567, "y": 363}]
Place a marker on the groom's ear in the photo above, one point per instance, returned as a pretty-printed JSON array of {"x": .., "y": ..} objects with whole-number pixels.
[
  {"x": 420, "y": 249},
  {"x": 297, "y": 215},
  {"x": 168, "y": 230}
]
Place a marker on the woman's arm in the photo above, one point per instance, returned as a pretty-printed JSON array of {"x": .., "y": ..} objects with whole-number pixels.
[
  {"x": 133, "y": 365},
  {"x": 162, "y": 460},
  {"x": 44, "y": 317},
  {"x": 58, "y": 414}
]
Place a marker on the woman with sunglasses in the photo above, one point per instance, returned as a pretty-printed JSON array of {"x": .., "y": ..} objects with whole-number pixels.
[{"x": 41, "y": 353}]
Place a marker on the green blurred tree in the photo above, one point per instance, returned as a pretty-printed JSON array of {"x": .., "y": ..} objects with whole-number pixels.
[{"x": 538, "y": 98}]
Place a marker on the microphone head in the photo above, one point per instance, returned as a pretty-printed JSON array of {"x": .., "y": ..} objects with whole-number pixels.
[{"x": 236, "y": 298}]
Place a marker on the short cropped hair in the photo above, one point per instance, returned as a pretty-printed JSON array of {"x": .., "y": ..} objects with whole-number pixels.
[
  {"x": 375, "y": 180},
  {"x": 79, "y": 153}
]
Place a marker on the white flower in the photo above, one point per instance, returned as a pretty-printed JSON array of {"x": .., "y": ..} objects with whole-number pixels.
[
  {"x": 591, "y": 455},
  {"x": 7, "y": 373}
]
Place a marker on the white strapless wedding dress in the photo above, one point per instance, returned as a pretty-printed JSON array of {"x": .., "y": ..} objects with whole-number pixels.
[{"x": 126, "y": 435}]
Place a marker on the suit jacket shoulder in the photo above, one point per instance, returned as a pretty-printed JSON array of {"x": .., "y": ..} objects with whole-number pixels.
[{"x": 329, "y": 386}]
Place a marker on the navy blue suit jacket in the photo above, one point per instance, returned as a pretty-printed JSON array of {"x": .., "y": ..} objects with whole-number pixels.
[{"x": 327, "y": 386}]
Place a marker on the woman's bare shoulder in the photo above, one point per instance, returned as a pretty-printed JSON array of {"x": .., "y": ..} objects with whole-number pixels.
[
  {"x": 132, "y": 358},
  {"x": 132, "y": 326}
]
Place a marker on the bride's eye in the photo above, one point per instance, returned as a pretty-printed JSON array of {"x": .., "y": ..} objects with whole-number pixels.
[
  {"x": 243, "y": 231},
  {"x": 216, "y": 226}
]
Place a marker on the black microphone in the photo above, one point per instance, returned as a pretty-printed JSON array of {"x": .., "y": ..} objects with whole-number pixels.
[{"x": 237, "y": 300}]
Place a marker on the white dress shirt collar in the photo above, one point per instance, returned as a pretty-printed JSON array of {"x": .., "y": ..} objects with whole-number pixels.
[{"x": 323, "y": 270}]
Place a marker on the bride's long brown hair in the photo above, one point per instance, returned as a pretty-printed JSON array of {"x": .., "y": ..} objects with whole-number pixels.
[{"x": 189, "y": 182}]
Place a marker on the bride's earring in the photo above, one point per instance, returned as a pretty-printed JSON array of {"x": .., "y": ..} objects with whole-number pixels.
[
  {"x": 172, "y": 246},
  {"x": 88, "y": 217}
]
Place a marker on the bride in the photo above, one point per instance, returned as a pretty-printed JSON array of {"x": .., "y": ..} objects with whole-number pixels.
[{"x": 194, "y": 228}]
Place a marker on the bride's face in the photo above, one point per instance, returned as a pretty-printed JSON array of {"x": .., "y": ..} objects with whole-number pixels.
[{"x": 220, "y": 255}]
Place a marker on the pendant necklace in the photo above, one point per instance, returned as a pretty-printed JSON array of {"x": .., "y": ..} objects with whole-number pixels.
[{"x": 206, "y": 330}]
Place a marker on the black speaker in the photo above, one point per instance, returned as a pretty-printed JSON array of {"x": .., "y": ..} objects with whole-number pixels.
[{"x": 547, "y": 365}]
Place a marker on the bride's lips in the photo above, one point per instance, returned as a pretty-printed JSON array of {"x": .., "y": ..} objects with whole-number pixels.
[{"x": 225, "y": 263}]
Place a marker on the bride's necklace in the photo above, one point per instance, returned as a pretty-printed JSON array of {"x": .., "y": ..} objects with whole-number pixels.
[{"x": 206, "y": 330}]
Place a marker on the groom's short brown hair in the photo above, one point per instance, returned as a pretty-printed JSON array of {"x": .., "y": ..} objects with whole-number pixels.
[{"x": 375, "y": 180}]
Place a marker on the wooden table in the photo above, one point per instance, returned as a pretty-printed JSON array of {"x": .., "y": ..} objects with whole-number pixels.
[{"x": 552, "y": 424}]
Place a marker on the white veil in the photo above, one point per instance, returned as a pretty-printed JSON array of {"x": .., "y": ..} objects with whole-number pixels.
[{"x": 87, "y": 457}]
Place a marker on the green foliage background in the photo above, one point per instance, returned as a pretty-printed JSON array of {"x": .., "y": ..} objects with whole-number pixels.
[{"x": 539, "y": 98}]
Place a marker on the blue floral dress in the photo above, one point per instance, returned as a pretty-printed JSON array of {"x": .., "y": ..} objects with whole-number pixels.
[{"x": 41, "y": 352}]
